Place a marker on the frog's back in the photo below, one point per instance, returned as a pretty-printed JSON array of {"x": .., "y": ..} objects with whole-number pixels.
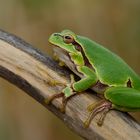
[{"x": 110, "y": 68}]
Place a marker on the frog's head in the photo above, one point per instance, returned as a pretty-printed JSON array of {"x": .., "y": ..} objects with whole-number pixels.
[
  {"x": 64, "y": 40},
  {"x": 67, "y": 42}
]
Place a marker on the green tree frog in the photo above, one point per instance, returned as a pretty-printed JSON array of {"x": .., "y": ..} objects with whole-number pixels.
[{"x": 104, "y": 71}]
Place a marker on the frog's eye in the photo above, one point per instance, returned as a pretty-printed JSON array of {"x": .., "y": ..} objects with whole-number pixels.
[{"x": 68, "y": 39}]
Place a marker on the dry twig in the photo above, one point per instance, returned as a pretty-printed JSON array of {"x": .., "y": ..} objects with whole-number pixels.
[{"x": 37, "y": 74}]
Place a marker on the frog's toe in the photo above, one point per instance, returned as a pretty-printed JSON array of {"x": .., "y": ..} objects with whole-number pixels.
[
  {"x": 63, "y": 109},
  {"x": 47, "y": 101},
  {"x": 61, "y": 64},
  {"x": 102, "y": 106},
  {"x": 54, "y": 96}
]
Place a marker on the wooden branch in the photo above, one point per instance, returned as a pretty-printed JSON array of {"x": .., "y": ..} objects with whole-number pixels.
[{"x": 37, "y": 74}]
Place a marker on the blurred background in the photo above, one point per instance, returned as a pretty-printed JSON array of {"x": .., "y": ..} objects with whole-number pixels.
[{"x": 115, "y": 24}]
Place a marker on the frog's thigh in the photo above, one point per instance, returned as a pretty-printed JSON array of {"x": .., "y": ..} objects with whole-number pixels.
[
  {"x": 89, "y": 79},
  {"x": 123, "y": 98}
]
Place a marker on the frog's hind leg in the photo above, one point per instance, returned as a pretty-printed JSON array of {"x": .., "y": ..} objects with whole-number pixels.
[
  {"x": 123, "y": 98},
  {"x": 103, "y": 106}
]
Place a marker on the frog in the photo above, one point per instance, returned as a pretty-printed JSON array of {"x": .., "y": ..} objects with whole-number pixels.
[{"x": 100, "y": 69}]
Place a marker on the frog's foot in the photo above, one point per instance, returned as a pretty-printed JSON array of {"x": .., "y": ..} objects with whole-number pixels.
[
  {"x": 66, "y": 94},
  {"x": 64, "y": 102},
  {"x": 54, "y": 96},
  {"x": 60, "y": 62},
  {"x": 91, "y": 107},
  {"x": 55, "y": 83},
  {"x": 103, "y": 107}
]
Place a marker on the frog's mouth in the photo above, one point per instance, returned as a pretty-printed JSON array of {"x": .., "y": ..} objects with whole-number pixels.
[{"x": 61, "y": 54}]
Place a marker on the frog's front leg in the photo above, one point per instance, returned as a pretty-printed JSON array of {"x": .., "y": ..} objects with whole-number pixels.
[
  {"x": 88, "y": 80},
  {"x": 73, "y": 88}
]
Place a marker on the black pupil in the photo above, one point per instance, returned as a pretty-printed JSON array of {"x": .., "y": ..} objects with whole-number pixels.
[{"x": 67, "y": 37}]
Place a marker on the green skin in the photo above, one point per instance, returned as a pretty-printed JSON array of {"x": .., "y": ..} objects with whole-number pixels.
[{"x": 99, "y": 65}]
